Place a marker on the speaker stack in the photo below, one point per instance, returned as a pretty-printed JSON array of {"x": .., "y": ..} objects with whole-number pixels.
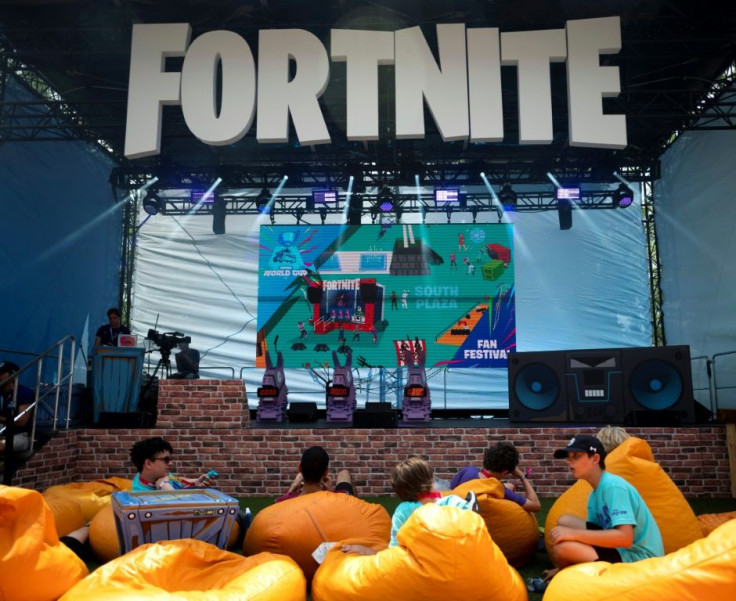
[{"x": 644, "y": 386}]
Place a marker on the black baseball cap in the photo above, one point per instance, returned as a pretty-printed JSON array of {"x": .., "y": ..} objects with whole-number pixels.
[
  {"x": 8, "y": 367},
  {"x": 582, "y": 443}
]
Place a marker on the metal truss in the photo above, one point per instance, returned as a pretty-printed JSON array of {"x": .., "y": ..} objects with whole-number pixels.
[{"x": 301, "y": 205}]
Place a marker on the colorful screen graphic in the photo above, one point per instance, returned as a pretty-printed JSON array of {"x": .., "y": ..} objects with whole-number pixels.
[{"x": 383, "y": 290}]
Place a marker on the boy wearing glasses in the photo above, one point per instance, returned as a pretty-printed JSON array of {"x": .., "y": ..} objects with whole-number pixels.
[
  {"x": 619, "y": 528},
  {"x": 152, "y": 458}
]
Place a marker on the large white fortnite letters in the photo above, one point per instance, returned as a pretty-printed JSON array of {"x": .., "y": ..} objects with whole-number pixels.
[{"x": 462, "y": 92}]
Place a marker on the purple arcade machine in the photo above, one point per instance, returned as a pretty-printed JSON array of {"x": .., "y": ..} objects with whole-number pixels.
[
  {"x": 417, "y": 405},
  {"x": 340, "y": 391},
  {"x": 272, "y": 394}
]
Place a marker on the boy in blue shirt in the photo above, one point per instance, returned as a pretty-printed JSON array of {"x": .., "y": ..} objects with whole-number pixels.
[{"x": 619, "y": 527}]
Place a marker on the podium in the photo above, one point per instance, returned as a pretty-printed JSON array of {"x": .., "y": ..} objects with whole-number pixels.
[{"x": 116, "y": 379}]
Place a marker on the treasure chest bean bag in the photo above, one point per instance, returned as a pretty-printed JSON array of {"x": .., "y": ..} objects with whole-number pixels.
[
  {"x": 296, "y": 527},
  {"x": 444, "y": 553},
  {"x": 634, "y": 462},
  {"x": 515, "y": 531},
  {"x": 192, "y": 570},
  {"x": 34, "y": 565},
  {"x": 705, "y": 569}
]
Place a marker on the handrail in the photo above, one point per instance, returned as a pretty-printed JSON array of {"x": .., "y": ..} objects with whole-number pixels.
[
  {"x": 227, "y": 367},
  {"x": 61, "y": 378},
  {"x": 716, "y": 388}
]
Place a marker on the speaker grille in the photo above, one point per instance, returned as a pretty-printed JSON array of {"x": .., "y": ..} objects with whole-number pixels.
[
  {"x": 537, "y": 386},
  {"x": 656, "y": 385}
]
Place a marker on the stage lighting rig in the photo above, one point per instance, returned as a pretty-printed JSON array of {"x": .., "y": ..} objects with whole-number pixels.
[
  {"x": 508, "y": 197},
  {"x": 152, "y": 204},
  {"x": 623, "y": 197}
]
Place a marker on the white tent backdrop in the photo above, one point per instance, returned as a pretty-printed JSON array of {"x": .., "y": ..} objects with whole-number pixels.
[
  {"x": 696, "y": 227},
  {"x": 586, "y": 287}
]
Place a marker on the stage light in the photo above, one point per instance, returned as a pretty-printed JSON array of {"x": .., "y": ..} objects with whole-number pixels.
[
  {"x": 355, "y": 209},
  {"x": 474, "y": 212},
  {"x": 262, "y": 200},
  {"x": 448, "y": 210},
  {"x": 564, "y": 213},
  {"x": 323, "y": 214},
  {"x": 152, "y": 204},
  {"x": 385, "y": 200},
  {"x": 623, "y": 197},
  {"x": 219, "y": 210},
  {"x": 423, "y": 212},
  {"x": 399, "y": 213},
  {"x": 508, "y": 197},
  {"x": 299, "y": 213}
]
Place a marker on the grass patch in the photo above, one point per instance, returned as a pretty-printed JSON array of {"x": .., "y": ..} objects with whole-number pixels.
[{"x": 541, "y": 560}]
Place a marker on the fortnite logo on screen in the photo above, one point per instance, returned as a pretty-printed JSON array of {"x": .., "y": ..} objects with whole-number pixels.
[{"x": 462, "y": 89}]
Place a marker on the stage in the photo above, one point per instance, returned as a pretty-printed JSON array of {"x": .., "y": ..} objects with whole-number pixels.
[{"x": 208, "y": 422}]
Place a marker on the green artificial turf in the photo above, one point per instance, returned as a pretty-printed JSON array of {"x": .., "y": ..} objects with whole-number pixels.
[{"x": 541, "y": 559}]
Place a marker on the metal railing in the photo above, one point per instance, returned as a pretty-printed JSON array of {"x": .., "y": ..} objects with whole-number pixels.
[{"x": 64, "y": 374}]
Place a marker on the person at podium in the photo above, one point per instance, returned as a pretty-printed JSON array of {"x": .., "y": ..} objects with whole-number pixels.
[{"x": 107, "y": 335}]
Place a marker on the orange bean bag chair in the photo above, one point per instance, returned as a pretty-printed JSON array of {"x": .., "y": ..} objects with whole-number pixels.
[
  {"x": 296, "y": 527},
  {"x": 711, "y": 521},
  {"x": 191, "y": 570},
  {"x": 705, "y": 569},
  {"x": 515, "y": 531},
  {"x": 444, "y": 553},
  {"x": 103, "y": 536},
  {"x": 67, "y": 514},
  {"x": 35, "y": 565},
  {"x": 91, "y": 496},
  {"x": 634, "y": 462}
]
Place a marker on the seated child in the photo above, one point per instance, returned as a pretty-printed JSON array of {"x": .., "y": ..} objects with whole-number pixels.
[
  {"x": 152, "y": 458},
  {"x": 413, "y": 482},
  {"x": 502, "y": 461}
]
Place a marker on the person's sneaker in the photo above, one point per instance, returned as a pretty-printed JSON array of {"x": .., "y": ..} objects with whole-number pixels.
[
  {"x": 472, "y": 500},
  {"x": 536, "y": 585}
]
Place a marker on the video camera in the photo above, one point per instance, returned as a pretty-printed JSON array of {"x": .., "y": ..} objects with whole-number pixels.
[{"x": 168, "y": 340}]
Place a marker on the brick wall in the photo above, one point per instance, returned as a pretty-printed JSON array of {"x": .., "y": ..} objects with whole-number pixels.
[{"x": 262, "y": 461}]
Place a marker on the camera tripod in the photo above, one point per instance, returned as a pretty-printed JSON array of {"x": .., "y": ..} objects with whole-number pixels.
[{"x": 165, "y": 362}]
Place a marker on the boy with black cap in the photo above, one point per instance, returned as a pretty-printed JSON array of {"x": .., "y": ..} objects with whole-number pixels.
[{"x": 620, "y": 527}]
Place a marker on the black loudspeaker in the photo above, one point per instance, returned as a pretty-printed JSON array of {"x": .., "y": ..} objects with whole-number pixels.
[
  {"x": 537, "y": 387},
  {"x": 219, "y": 210},
  {"x": 302, "y": 412},
  {"x": 564, "y": 213},
  {"x": 376, "y": 415},
  {"x": 658, "y": 386},
  {"x": 594, "y": 381},
  {"x": 368, "y": 293}
]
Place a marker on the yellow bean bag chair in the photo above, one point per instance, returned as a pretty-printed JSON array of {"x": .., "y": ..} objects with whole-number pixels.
[
  {"x": 296, "y": 527},
  {"x": 67, "y": 514},
  {"x": 191, "y": 570},
  {"x": 444, "y": 553},
  {"x": 705, "y": 569},
  {"x": 633, "y": 461},
  {"x": 711, "y": 521},
  {"x": 91, "y": 496},
  {"x": 35, "y": 566},
  {"x": 515, "y": 531},
  {"x": 103, "y": 536}
]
